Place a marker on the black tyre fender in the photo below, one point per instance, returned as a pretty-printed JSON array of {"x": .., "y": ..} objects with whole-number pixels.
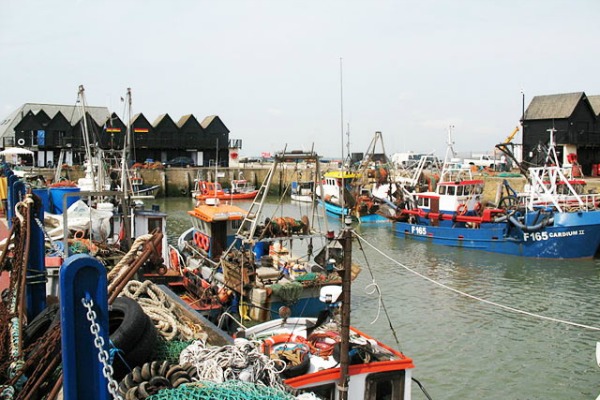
[
  {"x": 297, "y": 370},
  {"x": 41, "y": 324},
  {"x": 138, "y": 355},
  {"x": 127, "y": 322}
]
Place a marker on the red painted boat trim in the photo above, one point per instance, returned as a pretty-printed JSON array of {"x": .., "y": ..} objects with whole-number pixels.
[{"x": 330, "y": 374}]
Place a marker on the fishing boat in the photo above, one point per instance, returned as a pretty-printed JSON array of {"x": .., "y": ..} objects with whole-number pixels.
[
  {"x": 364, "y": 192},
  {"x": 303, "y": 191},
  {"x": 249, "y": 256},
  {"x": 550, "y": 219},
  {"x": 328, "y": 357},
  {"x": 336, "y": 195},
  {"x": 140, "y": 190},
  {"x": 240, "y": 189}
]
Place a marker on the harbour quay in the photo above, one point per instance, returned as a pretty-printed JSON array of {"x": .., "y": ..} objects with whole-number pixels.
[{"x": 179, "y": 181}]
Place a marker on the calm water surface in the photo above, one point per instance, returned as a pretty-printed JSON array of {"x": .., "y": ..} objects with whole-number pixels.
[{"x": 463, "y": 348}]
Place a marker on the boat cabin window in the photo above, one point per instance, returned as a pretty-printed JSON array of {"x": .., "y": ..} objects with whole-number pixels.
[
  {"x": 459, "y": 191},
  {"x": 424, "y": 201},
  {"x": 155, "y": 223},
  {"x": 385, "y": 386},
  {"x": 442, "y": 189},
  {"x": 451, "y": 190},
  {"x": 324, "y": 392},
  {"x": 236, "y": 223},
  {"x": 200, "y": 225}
]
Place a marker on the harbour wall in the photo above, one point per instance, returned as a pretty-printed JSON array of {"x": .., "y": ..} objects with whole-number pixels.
[{"x": 177, "y": 182}]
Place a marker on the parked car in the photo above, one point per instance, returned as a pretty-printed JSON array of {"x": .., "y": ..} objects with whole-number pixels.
[
  {"x": 413, "y": 161},
  {"x": 180, "y": 162}
]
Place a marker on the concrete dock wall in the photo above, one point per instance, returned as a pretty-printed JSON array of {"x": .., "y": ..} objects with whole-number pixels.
[{"x": 176, "y": 182}]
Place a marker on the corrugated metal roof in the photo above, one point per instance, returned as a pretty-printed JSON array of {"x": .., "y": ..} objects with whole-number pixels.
[
  {"x": 71, "y": 113},
  {"x": 553, "y": 106},
  {"x": 595, "y": 103}
]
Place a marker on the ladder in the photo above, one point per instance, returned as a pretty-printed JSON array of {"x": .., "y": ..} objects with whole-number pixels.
[
  {"x": 248, "y": 228},
  {"x": 58, "y": 170},
  {"x": 251, "y": 221}
]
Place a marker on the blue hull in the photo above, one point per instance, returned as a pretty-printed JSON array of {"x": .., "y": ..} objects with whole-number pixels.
[
  {"x": 309, "y": 306},
  {"x": 339, "y": 211},
  {"x": 573, "y": 235}
]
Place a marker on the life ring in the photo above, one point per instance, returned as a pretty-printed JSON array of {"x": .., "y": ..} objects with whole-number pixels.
[
  {"x": 198, "y": 239},
  {"x": 461, "y": 209},
  {"x": 284, "y": 338},
  {"x": 21, "y": 142},
  {"x": 205, "y": 242},
  {"x": 174, "y": 256},
  {"x": 202, "y": 241}
]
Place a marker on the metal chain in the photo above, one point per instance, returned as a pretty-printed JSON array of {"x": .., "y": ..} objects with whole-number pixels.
[
  {"x": 107, "y": 369},
  {"x": 52, "y": 242}
]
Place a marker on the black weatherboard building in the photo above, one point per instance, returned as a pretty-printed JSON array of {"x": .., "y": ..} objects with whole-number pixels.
[
  {"x": 55, "y": 133},
  {"x": 575, "y": 118}
]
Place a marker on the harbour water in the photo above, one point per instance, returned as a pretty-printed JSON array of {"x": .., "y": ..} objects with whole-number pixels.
[{"x": 465, "y": 348}]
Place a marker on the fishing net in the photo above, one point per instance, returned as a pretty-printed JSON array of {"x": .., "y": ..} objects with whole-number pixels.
[
  {"x": 310, "y": 276},
  {"x": 289, "y": 292},
  {"x": 169, "y": 349},
  {"x": 231, "y": 390}
]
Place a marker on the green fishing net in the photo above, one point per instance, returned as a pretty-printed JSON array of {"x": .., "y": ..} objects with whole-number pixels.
[
  {"x": 169, "y": 350},
  {"x": 230, "y": 390}
]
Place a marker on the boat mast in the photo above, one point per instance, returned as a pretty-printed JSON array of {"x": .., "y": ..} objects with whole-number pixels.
[
  {"x": 126, "y": 145},
  {"x": 346, "y": 240},
  {"x": 86, "y": 137},
  {"x": 216, "y": 169},
  {"x": 342, "y": 198}
]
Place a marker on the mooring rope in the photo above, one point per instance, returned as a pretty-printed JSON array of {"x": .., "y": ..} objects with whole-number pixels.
[
  {"x": 492, "y": 303},
  {"x": 163, "y": 312}
]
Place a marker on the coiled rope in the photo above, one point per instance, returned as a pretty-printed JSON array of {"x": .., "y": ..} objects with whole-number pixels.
[
  {"x": 489, "y": 302},
  {"x": 170, "y": 323},
  {"x": 241, "y": 361},
  {"x": 120, "y": 270}
]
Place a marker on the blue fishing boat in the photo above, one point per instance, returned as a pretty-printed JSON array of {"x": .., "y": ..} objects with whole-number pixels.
[
  {"x": 336, "y": 195},
  {"x": 550, "y": 219}
]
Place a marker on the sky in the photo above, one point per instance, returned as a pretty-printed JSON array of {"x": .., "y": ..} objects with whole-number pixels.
[{"x": 307, "y": 74}]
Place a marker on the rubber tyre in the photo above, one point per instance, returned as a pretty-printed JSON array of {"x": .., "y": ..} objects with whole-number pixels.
[
  {"x": 127, "y": 322},
  {"x": 297, "y": 370},
  {"x": 138, "y": 355},
  {"x": 41, "y": 324}
]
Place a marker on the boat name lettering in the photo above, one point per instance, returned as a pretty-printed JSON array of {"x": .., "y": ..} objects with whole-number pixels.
[
  {"x": 539, "y": 236},
  {"x": 418, "y": 230}
]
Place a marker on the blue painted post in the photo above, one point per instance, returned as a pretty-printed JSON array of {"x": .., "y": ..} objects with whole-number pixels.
[
  {"x": 83, "y": 277},
  {"x": 36, "y": 266},
  {"x": 13, "y": 196}
]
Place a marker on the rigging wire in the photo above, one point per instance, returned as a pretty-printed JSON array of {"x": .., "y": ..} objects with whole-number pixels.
[
  {"x": 376, "y": 289},
  {"x": 489, "y": 302}
]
